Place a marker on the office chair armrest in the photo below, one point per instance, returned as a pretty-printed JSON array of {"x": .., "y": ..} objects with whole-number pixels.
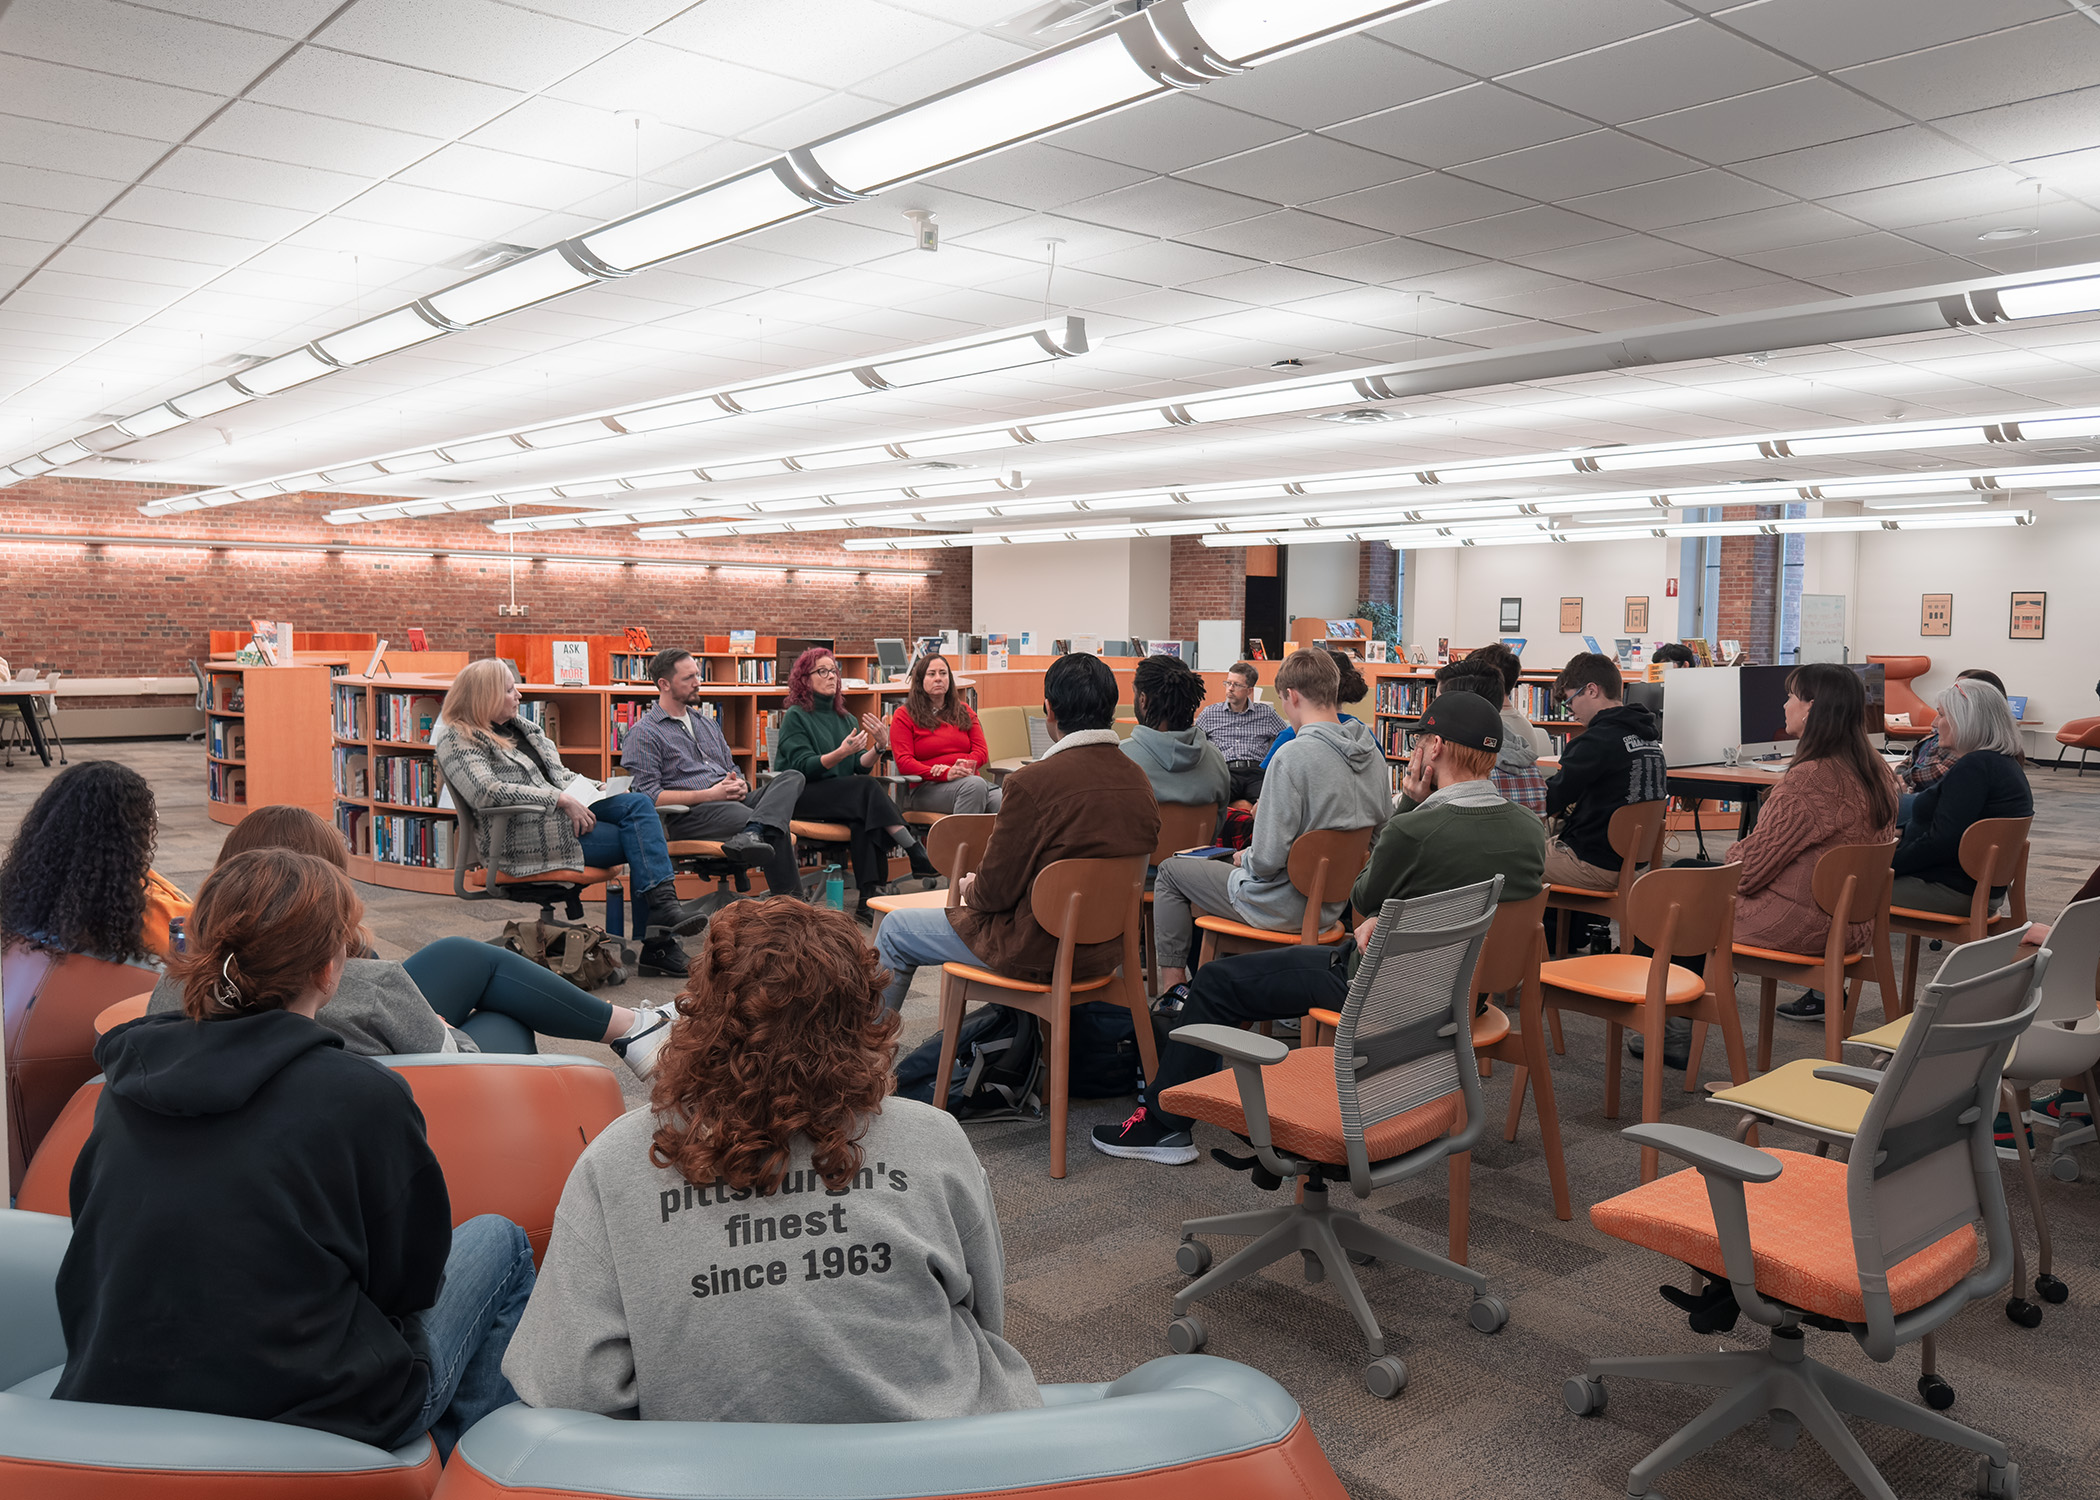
[
  {"x": 1859, "y": 1078},
  {"x": 1724, "y": 1166},
  {"x": 1711, "y": 1154},
  {"x": 1233, "y": 1044}
]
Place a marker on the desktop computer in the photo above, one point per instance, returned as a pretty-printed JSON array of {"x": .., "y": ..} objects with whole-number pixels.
[
  {"x": 890, "y": 655},
  {"x": 1705, "y": 713},
  {"x": 1763, "y": 706},
  {"x": 788, "y": 647}
]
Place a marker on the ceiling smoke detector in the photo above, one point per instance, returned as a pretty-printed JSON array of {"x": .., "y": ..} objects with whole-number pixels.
[
  {"x": 1358, "y": 416},
  {"x": 2010, "y": 232}
]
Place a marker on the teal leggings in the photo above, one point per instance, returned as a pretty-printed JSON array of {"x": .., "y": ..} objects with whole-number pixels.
[{"x": 501, "y": 998}]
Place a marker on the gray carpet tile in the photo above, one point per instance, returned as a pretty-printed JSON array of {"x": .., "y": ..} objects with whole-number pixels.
[{"x": 1091, "y": 1273}]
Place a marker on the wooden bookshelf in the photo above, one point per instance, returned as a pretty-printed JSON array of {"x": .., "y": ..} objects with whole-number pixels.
[
  {"x": 266, "y": 739},
  {"x": 612, "y": 663}
]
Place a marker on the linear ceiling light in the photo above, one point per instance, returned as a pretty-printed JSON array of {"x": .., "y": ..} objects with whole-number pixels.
[
  {"x": 579, "y": 520},
  {"x": 1173, "y": 46},
  {"x": 1484, "y": 537},
  {"x": 953, "y": 359}
]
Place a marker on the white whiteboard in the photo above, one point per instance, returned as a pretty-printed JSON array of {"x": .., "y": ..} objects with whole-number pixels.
[
  {"x": 1822, "y": 628},
  {"x": 1218, "y": 644}
]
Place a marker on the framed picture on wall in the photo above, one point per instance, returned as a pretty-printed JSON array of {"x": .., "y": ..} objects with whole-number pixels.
[
  {"x": 1637, "y": 616},
  {"x": 2030, "y": 616},
  {"x": 1512, "y": 614},
  {"x": 1936, "y": 614},
  {"x": 1571, "y": 617}
]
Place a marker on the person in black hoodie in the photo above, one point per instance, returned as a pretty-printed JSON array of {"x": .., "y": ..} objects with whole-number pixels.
[
  {"x": 1617, "y": 759},
  {"x": 1986, "y": 779},
  {"x": 260, "y": 1228}
]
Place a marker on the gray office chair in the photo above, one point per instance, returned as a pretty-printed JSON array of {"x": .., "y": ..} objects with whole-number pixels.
[
  {"x": 203, "y": 704},
  {"x": 1895, "y": 1259},
  {"x": 1402, "y": 1073}
]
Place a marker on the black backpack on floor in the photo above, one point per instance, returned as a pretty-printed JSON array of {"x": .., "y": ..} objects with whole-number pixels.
[{"x": 999, "y": 1067}]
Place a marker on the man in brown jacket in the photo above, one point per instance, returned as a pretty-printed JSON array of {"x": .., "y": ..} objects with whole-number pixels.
[{"x": 1085, "y": 799}]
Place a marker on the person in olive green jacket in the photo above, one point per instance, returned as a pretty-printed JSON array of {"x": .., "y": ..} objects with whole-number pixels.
[
  {"x": 819, "y": 738},
  {"x": 1452, "y": 829}
]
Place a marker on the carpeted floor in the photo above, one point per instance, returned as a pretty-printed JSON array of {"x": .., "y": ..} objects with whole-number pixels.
[{"x": 1091, "y": 1261}]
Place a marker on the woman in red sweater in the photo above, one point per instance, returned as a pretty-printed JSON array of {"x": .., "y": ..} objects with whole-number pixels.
[{"x": 936, "y": 738}]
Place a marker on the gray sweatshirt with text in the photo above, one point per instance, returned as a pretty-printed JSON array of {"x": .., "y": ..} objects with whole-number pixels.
[{"x": 668, "y": 1301}]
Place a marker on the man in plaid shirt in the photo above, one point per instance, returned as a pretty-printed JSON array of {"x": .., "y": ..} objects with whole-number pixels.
[
  {"x": 1516, "y": 774},
  {"x": 1243, "y": 728}
]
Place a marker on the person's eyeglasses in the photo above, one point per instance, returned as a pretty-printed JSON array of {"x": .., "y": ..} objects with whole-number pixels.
[{"x": 823, "y": 671}]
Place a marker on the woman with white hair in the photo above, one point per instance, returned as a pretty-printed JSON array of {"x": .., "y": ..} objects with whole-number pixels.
[{"x": 1988, "y": 779}]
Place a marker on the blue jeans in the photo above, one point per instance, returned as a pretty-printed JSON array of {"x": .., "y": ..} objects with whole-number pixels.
[
  {"x": 916, "y": 936},
  {"x": 488, "y": 1277},
  {"x": 1903, "y": 802},
  {"x": 629, "y": 832},
  {"x": 501, "y": 998}
]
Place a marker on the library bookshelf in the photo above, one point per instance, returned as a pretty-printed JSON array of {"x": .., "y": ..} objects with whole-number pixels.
[
  {"x": 612, "y": 661},
  {"x": 265, "y": 739}
]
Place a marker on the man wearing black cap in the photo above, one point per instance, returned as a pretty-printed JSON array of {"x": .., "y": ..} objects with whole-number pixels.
[{"x": 1452, "y": 829}]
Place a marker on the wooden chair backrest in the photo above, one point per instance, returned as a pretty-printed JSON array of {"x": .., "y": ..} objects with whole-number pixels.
[
  {"x": 1087, "y": 900},
  {"x": 1851, "y": 881},
  {"x": 1683, "y": 910},
  {"x": 1509, "y": 955},
  {"x": 1992, "y": 847},
  {"x": 1325, "y": 862},
  {"x": 1636, "y": 832},
  {"x": 956, "y": 843},
  {"x": 52, "y": 1002},
  {"x": 1184, "y": 825}
]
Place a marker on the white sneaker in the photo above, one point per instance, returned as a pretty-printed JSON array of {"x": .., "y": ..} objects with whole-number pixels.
[{"x": 638, "y": 1048}]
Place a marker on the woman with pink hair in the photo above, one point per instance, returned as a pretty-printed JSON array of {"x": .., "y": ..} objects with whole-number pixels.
[{"x": 819, "y": 738}]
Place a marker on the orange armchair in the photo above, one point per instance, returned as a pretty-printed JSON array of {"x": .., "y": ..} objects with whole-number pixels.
[{"x": 2082, "y": 735}]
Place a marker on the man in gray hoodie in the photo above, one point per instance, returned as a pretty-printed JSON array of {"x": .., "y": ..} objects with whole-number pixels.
[
  {"x": 1332, "y": 775},
  {"x": 1178, "y": 758}
]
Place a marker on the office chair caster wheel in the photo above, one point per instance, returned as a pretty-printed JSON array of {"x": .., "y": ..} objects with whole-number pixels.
[
  {"x": 2050, "y": 1289},
  {"x": 2024, "y": 1313},
  {"x": 1385, "y": 1377},
  {"x": 1994, "y": 1483},
  {"x": 2064, "y": 1168},
  {"x": 1488, "y": 1314},
  {"x": 1362, "y": 1258},
  {"x": 1193, "y": 1256},
  {"x": 1187, "y": 1335},
  {"x": 1936, "y": 1392},
  {"x": 1314, "y": 1271},
  {"x": 1584, "y": 1395}
]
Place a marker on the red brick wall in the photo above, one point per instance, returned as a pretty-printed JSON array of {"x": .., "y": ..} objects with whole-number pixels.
[
  {"x": 1377, "y": 574},
  {"x": 1204, "y": 583},
  {"x": 1749, "y": 584},
  {"x": 126, "y": 611}
]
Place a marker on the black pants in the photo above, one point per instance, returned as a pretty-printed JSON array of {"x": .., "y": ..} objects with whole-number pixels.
[
  {"x": 1246, "y": 781},
  {"x": 861, "y": 804},
  {"x": 1249, "y": 987},
  {"x": 770, "y": 809}
]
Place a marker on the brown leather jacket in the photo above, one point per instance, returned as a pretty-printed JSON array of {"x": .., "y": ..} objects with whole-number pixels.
[{"x": 1084, "y": 800}]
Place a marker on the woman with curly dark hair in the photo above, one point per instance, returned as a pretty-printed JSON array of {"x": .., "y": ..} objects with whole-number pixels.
[
  {"x": 938, "y": 739},
  {"x": 819, "y": 738},
  {"x": 774, "y": 1240},
  {"x": 79, "y": 878}
]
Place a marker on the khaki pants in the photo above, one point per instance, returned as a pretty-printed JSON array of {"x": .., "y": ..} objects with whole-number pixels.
[{"x": 1563, "y": 867}]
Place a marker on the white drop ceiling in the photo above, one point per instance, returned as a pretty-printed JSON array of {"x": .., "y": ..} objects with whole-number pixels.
[{"x": 188, "y": 182}]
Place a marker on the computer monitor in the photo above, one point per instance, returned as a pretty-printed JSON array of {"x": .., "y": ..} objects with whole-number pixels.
[
  {"x": 1117, "y": 648},
  {"x": 973, "y": 645},
  {"x": 1876, "y": 677},
  {"x": 1648, "y": 694},
  {"x": 1762, "y": 696},
  {"x": 890, "y": 654},
  {"x": 788, "y": 647}
]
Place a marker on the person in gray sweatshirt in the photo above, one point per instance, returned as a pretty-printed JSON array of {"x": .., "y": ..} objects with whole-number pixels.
[
  {"x": 1332, "y": 775},
  {"x": 774, "y": 1239},
  {"x": 1178, "y": 758}
]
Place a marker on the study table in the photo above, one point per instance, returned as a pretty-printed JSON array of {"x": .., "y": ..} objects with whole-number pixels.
[{"x": 24, "y": 696}]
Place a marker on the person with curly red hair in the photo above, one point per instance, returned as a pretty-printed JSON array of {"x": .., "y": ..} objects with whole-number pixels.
[{"x": 775, "y": 1239}]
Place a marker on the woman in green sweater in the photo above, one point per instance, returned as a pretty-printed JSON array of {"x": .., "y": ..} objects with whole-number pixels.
[{"x": 819, "y": 738}]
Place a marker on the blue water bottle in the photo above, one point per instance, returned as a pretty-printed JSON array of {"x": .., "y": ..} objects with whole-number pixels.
[
  {"x": 834, "y": 888},
  {"x": 178, "y": 936}
]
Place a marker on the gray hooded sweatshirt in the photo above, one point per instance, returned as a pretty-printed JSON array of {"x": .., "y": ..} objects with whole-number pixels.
[
  {"x": 1330, "y": 776},
  {"x": 1182, "y": 764},
  {"x": 1520, "y": 743},
  {"x": 672, "y": 1302}
]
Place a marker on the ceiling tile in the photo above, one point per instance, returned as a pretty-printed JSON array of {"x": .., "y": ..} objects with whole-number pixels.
[
  {"x": 556, "y": 130},
  {"x": 1676, "y": 283},
  {"x": 1834, "y": 36},
  {"x": 1526, "y": 230},
  {"x": 247, "y": 180},
  {"x": 1384, "y": 261},
  {"x": 1994, "y": 191},
  {"x": 1664, "y": 70},
  {"x": 1858, "y": 252},
  {"x": 64, "y": 191},
  {"x": 156, "y": 205},
  {"x": 1164, "y": 263},
  {"x": 477, "y": 172},
  {"x": 1592, "y": 163},
  {"x": 1165, "y": 305},
  {"x": 1463, "y": 125},
  {"x": 472, "y": 39},
  {"x": 134, "y": 42},
  {"x": 1612, "y": 258},
  {"x": 271, "y": 133},
  {"x": 1289, "y": 235},
  {"x": 72, "y": 149},
  {"x": 283, "y": 18},
  {"x": 831, "y": 42},
  {"x": 700, "y": 93},
  {"x": 152, "y": 269},
  {"x": 942, "y": 68},
  {"x": 1300, "y": 170},
  {"x": 1168, "y": 206},
  {"x": 74, "y": 96},
  {"x": 1166, "y": 135},
  {"x": 1268, "y": 286},
  {"x": 1417, "y": 203},
  {"x": 2051, "y": 56},
  {"x": 381, "y": 93},
  {"x": 1041, "y": 176},
  {"x": 1340, "y": 81},
  {"x": 1867, "y": 161},
  {"x": 1688, "y": 199},
  {"x": 1023, "y": 239},
  {"x": 1490, "y": 37},
  {"x": 1808, "y": 112},
  {"x": 2037, "y": 127},
  {"x": 400, "y": 203}
]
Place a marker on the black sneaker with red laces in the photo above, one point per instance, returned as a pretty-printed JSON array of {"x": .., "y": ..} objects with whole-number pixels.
[{"x": 1142, "y": 1138}]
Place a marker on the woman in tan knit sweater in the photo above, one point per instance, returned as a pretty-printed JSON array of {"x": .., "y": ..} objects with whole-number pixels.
[{"x": 1837, "y": 791}]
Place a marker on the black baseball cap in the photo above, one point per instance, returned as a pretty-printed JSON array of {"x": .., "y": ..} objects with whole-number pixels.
[{"x": 1464, "y": 719}]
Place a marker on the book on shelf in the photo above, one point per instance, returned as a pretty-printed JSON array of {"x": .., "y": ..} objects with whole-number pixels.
[
  {"x": 1344, "y": 630},
  {"x": 572, "y": 663},
  {"x": 1401, "y": 695},
  {"x": 767, "y": 733},
  {"x": 546, "y": 716},
  {"x": 405, "y": 780},
  {"x": 415, "y": 839},
  {"x": 627, "y": 666},
  {"x": 405, "y": 718},
  {"x": 226, "y": 783},
  {"x": 349, "y": 713},
  {"x": 227, "y": 740},
  {"x": 417, "y": 641},
  {"x": 352, "y": 773},
  {"x": 756, "y": 671},
  {"x": 354, "y": 824}
]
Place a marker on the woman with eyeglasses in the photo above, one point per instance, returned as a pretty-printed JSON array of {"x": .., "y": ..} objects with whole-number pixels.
[{"x": 820, "y": 738}]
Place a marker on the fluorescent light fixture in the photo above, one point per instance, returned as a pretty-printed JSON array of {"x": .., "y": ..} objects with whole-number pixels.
[
  {"x": 217, "y": 397},
  {"x": 1881, "y": 442},
  {"x": 806, "y": 391},
  {"x": 1495, "y": 473},
  {"x": 707, "y": 216},
  {"x": 2080, "y": 295},
  {"x": 519, "y": 284},
  {"x": 153, "y": 419},
  {"x": 62, "y": 453},
  {"x": 1922, "y": 484},
  {"x": 1111, "y": 424},
  {"x": 403, "y": 328},
  {"x": 2074, "y": 495},
  {"x": 980, "y": 359},
  {"x": 279, "y": 374},
  {"x": 2041, "y": 429},
  {"x": 1271, "y": 403},
  {"x": 1247, "y": 32},
  {"x": 1914, "y": 502},
  {"x": 1662, "y": 458}
]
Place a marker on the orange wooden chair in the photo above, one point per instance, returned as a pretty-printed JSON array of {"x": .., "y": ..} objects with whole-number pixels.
[
  {"x": 1182, "y": 825},
  {"x": 52, "y": 1002},
  {"x": 1677, "y": 913},
  {"x": 1636, "y": 832},
  {"x": 1324, "y": 864},
  {"x": 1993, "y": 854},
  {"x": 1076, "y": 901},
  {"x": 956, "y": 846}
]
